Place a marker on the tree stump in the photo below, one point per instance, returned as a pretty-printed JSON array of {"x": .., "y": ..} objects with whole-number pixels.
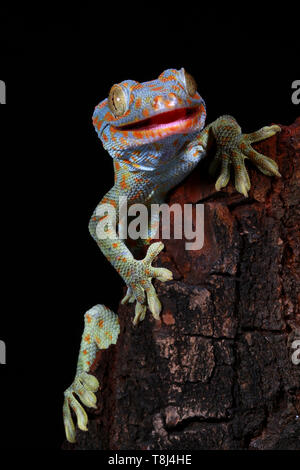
[{"x": 216, "y": 372}]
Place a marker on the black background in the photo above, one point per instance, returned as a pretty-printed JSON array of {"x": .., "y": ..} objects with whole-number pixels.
[{"x": 57, "y": 67}]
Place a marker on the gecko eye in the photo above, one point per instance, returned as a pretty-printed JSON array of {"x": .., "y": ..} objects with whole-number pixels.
[
  {"x": 190, "y": 84},
  {"x": 117, "y": 101}
]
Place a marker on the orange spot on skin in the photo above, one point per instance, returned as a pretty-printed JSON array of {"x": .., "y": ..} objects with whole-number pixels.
[
  {"x": 145, "y": 112},
  {"x": 138, "y": 103},
  {"x": 101, "y": 218},
  {"x": 88, "y": 318},
  {"x": 177, "y": 87},
  {"x": 123, "y": 141},
  {"x": 170, "y": 78},
  {"x": 98, "y": 340},
  {"x": 136, "y": 134},
  {"x": 87, "y": 338},
  {"x": 123, "y": 183},
  {"x": 108, "y": 117},
  {"x": 131, "y": 99},
  {"x": 101, "y": 105},
  {"x": 138, "y": 86},
  {"x": 85, "y": 351},
  {"x": 100, "y": 324},
  {"x": 106, "y": 200},
  {"x": 137, "y": 195}
]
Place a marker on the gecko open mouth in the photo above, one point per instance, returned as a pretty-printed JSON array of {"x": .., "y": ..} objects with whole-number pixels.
[{"x": 176, "y": 116}]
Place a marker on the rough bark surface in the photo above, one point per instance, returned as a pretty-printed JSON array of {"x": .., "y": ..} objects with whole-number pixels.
[{"x": 216, "y": 372}]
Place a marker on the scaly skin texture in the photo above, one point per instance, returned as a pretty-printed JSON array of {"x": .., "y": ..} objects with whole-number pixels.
[{"x": 154, "y": 131}]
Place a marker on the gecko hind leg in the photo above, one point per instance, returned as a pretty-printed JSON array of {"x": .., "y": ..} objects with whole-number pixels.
[{"x": 101, "y": 329}]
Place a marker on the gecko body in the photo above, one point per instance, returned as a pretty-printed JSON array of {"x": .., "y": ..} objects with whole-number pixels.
[{"x": 155, "y": 133}]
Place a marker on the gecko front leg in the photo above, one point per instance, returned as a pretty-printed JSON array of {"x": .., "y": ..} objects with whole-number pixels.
[
  {"x": 137, "y": 274},
  {"x": 233, "y": 148}
]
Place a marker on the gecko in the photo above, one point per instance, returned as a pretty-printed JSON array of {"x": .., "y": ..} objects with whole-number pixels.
[{"x": 156, "y": 135}]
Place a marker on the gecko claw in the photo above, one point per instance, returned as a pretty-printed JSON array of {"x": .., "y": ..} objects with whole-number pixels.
[
  {"x": 129, "y": 297},
  {"x": 153, "y": 302},
  {"x": 140, "y": 312}
]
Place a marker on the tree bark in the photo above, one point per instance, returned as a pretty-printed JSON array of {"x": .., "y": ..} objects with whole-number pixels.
[{"x": 216, "y": 371}]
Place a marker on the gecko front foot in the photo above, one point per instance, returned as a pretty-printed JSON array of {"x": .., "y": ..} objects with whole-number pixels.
[
  {"x": 84, "y": 387},
  {"x": 233, "y": 148},
  {"x": 140, "y": 288}
]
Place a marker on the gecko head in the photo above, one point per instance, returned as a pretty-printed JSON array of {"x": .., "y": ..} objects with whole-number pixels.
[{"x": 162, "y": 110}]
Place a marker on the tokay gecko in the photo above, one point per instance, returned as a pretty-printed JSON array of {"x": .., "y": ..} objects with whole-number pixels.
[{"x": 155, "y": 133}]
